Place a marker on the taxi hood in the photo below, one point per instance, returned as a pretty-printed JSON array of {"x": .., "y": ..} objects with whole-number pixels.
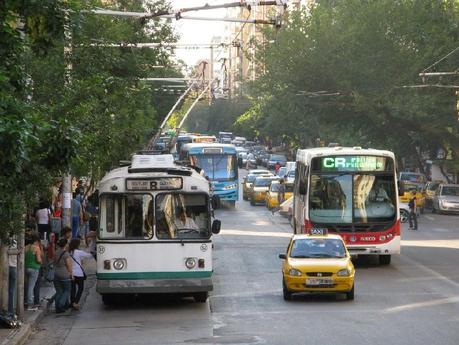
[{"x": 319, "y": 264}]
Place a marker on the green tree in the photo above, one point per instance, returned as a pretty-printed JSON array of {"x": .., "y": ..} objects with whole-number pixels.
[{"x": 337, "y": 72}]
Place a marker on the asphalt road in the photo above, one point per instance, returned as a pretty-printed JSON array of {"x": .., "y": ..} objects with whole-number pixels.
[{"x": 415, "y": 300}]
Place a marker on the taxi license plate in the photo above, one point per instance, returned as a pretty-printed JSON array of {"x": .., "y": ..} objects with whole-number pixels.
[{"x": 319, "y": 281}]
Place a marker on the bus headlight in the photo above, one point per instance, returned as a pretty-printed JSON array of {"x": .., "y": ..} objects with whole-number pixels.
[
  {"x": 190, "y": 263},
  {"x": 343, "y": 273},
  {"x": 294, "y": 272},
  {"x": 230, "y": 186},
  {"x": 119, "y": 264}
]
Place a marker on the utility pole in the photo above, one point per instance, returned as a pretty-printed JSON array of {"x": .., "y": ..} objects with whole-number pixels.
[{"x": 20, "y": 277}]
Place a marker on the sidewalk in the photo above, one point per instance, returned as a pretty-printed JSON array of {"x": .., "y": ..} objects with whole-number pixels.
[{"x": 31, "y": 318}]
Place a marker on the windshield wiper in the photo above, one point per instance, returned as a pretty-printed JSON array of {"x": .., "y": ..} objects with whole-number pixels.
[
  {"x": 188, "y": 230},
  {"x": 301, "y": 257}
]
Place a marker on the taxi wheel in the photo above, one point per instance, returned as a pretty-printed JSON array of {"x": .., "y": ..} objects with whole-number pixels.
[
  {"x": 350, "y": 294},
  {"x": 252, "y": 202},
  {"x": 200, "y": 297},
  {"x": 245, "y": 198},
  {"x": 287, "y": 294}
]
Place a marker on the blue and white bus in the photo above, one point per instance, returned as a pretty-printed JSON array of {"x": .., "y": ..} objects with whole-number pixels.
[{"x": 219, "y": 165}]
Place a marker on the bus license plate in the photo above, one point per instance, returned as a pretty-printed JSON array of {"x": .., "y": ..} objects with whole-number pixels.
[{"x": 319, "y": 281}]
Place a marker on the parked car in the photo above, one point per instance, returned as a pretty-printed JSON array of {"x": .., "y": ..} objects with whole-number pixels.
[
  {"x": 290, "y": 177},
  {"x": 273, "y": 192},
  {"x": 420, "y": 196},
  {"x": 412, "y": 177},
  {"x": 257, "y": 193},
  {"x": 429, "y": 192},
  {"x": 405, "y": 212},
  {"x": 446, "y": 199},
  {"x": 249, "y": 179}
]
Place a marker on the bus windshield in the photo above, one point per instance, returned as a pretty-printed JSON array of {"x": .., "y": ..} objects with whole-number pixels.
[
  {"x": 182, "y": 216},
  {"x": 216, "y": 166},
  {"x": 352, "y": 198}
]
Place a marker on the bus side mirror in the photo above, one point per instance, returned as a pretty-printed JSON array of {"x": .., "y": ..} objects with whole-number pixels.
[
  {"x": 282, "y": 256},
  {"x": 216, "y": 225},
  {"x": 215, "y": 202},
  {"x": 401, "y": 188}
]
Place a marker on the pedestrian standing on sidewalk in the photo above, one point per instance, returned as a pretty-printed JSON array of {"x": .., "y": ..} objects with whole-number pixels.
[
  {"x": 12, "y": 274},
  {"x": 66, "y": 233},
  {"x": 79, "y": 276},
  {"x": 62, "y": 276},
  {"x": 412, "y": 215},
  {"x": 33, "y": 260},
  {"x": 43, "y": 218},
  {"x": 77, "y": 215}
]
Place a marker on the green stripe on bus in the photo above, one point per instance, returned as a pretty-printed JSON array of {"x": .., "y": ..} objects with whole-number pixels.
[{"x": 154, "y": 275}]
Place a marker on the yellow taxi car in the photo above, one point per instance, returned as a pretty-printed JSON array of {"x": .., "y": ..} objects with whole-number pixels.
[
  {"x": 248, "y": 180},
  {"x": 257, "y": 193},
  {"x": 420, "y": 195},
  {"x": 317, "y": 263},
  {"x": 272, "y": 196}
]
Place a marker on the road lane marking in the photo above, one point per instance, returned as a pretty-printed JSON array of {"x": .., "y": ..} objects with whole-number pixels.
[
  {"x": 254, "y": 233},
  {"x": 429, "y": 217},
  {"x": 451, "y": 244},
  {"x": 432, "y": 303}
]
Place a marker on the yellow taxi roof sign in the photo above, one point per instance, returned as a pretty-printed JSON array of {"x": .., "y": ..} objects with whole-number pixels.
[{"x": 318, "y": 232}]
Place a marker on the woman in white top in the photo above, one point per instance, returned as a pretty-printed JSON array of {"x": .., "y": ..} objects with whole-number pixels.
[
  {"x": 42, "y": 216},
  {"x": 78, "y": 272}
]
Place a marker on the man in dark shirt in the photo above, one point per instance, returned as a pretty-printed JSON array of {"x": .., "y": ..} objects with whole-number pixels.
[{"x": 412, "y": 216}]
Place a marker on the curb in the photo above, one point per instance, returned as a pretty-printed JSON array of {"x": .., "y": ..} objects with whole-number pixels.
[{"x": 21, "y": 335}]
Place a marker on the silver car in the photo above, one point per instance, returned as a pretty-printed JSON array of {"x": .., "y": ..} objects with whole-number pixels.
[{"x": 446, "y": 198}]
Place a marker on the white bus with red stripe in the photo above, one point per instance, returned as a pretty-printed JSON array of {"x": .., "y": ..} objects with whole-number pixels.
[{"x": 352, "y": 192}]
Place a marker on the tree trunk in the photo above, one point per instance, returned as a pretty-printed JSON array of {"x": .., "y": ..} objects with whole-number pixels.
[{"x": 3, "y": 277}]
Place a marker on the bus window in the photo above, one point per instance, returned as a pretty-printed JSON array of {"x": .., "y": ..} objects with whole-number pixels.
[
  {"x": 374, "y": 198},
  {"x": 126, "y": 216},
  {"x": 216, "y": 167},
  {"x": 182, "y": 216},
  {"x": 331, "y": 198}
]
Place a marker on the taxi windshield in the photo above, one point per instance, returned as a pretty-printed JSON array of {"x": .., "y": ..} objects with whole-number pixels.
[
  {"x": 263, "y": 182},
  {"x": 318, "y": 248},
  {"x": 251, "y": 178}
]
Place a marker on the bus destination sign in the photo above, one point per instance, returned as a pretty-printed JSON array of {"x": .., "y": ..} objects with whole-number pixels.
[
  {"x": 353, "y": 163},
  {"x": 163, "y": 183}
]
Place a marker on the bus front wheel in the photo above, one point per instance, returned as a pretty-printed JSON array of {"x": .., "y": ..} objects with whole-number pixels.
[
  {"x": 201, "y": 297},
  {"x": 109, "y": 299},
  {"x": 384, "y": 259}
]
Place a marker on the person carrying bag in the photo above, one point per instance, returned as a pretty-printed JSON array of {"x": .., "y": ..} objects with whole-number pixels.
[{"x": 78, "y": 272}]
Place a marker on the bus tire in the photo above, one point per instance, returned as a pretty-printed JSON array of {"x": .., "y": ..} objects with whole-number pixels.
[
  {"x": 384, "y": 259},
  {"x": 201, "y": 297},
  {"x": 109, "y": 299},
  {"x": 350, "y": 294}
]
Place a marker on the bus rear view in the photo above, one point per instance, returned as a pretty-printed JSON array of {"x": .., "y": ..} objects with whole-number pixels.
[{"x": 352, "y": 192}]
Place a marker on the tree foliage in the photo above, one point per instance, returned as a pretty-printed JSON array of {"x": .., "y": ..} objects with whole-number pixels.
[
  {"x": 345, "y": 70},
  {"x": 104, "y": 114}
]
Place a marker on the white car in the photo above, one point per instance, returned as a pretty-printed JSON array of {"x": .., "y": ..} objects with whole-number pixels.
[{"x": 405, "y": 212}]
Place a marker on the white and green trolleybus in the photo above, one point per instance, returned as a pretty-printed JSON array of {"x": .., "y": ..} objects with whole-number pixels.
[{"x": 155, "y": 230}]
